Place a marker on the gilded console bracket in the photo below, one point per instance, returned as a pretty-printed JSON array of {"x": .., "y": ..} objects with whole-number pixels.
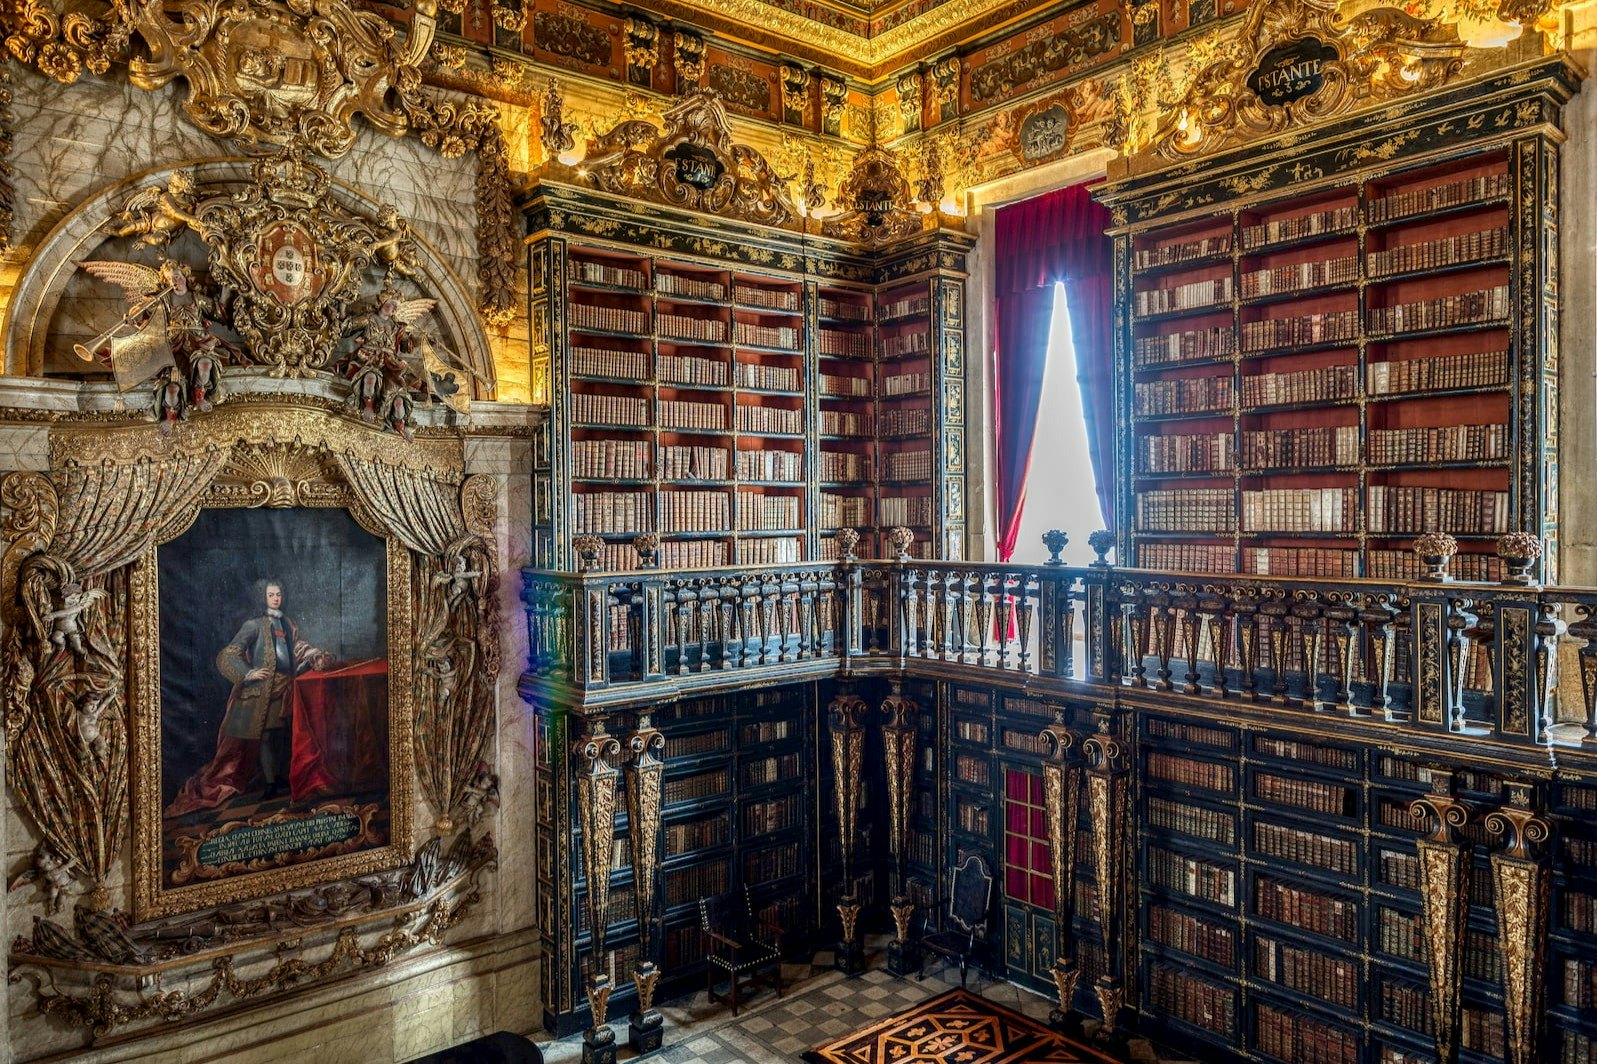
[
  {"x": 1061, "y": 780},
  {"x": 1108, "y": 763},
  {"x": 645, "y": 786},
  {"x": 1444, "y": 892},
  {"x": 597, "y": 779},
  {"x": 848, "y": 712},
  {"x": 899, "y": 735},
  {"x": 1522, "y": 876}
]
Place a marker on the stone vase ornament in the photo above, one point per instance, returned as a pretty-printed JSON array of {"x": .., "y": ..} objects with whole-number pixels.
[
  {"x": 1055, "y": 541},
  {"x": 900, "y": 539},
  {"x": 1520, "y": 552},
  {"x": 1101, "y": 542},
  {"x": 648, "y": 547},
  {"x": 1435, "y": 549},
  {"x": 847, "y": 542},
  {"x": 588, "y": 548}
]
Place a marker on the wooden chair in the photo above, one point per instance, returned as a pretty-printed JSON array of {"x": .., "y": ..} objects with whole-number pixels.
[
  {"x": 969, "y": 899},
  {"x": 738, "y": 945}
]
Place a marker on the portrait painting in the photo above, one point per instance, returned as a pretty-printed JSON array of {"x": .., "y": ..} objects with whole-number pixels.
[{"x": 274, "y": 707}]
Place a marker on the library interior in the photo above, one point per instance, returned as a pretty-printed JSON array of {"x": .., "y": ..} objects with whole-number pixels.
[{"x": 886, "y": 531}]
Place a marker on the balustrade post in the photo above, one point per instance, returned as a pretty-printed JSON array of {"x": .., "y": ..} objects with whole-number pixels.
[
  {"x": 1585, "y": 629},
  {"x": 1023, "y": 626},
  {"x": 1247, "y": 625},
  {"x": 1376, "y": 618},
  {"x": 1342, "y": 621},
  {"x": 1219, "y": 624},
  {"x": 1435, "y": 627},
  {"x": 1105, "y": 663},
  {"x": 1191, "y": 623},
  {"x": 591, "y": 628},
  {"x": 726, "y": 598}
]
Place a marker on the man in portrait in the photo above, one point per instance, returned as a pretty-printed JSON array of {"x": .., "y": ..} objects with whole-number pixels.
[{"x": 263, "y": 661}]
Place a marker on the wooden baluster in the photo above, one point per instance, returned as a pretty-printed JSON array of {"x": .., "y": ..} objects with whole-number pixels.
[
  {"x": 927, "y": 620},
  {"x": 769, "y": 601},
  {"x": 1219, "y": 646},
  {"x": 1002, "y": 634},
  {"x": 1546, "y": 632},
  {"x": 1136, "y": 627},
  {"x": 785, "y": 618},
  {"x": 948, "y": 613},
  {"x": 749, "y": 621},
  {"x": 806, "y": 619},
  {"x": 1067, "y": 630},
  {"x": 684, "y": 625},
  {"x": 1377, "y": 620},
  {"x": 1585, "y": 629},
  {"x": 1280, "y": 650},
  {"x": 707, "y": 611},
  {"x": 1247, "y": 623},
  {"x": 1164, "y": 633},
  {"x": 1342, "y": 622},
  {"x": 1309, "y": 632},
  {"x": 1191, "y": 622},
  {"x": 731, "y": 645},
  {"x": 965, "y": 611},
  {"x": 984, "y": 621},
  {"x": 1027, "y": 607}
]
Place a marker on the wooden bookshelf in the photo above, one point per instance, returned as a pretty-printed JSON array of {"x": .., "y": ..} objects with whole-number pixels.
[
  {"x": 742, "y": 399},
  {"x": 1318, "y": 371}
]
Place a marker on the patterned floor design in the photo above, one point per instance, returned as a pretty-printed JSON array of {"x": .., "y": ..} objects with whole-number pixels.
[
  {"x": 955, "y": 1028},
  {"x": 818, "y": 1005}
]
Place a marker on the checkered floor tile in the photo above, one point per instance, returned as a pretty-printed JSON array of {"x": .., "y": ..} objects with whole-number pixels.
[{"x": 818, "y": 1005}]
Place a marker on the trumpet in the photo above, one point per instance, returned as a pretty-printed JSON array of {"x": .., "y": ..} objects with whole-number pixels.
[{"x": 86, "y": 351}]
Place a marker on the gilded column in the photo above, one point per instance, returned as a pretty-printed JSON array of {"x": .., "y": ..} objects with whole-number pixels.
[
  {"x": 1522, "y": 875},
  {"x": 848, "y": 711},
  {"x": 1061, "y": 782},
  {"x": 1444, "y": 892},
  {"x": 597, "y": 779},
  {"x": 898, "y": 755},
  {"x": 1108, "y": 765},
  {"x": 645, "y": 785}
]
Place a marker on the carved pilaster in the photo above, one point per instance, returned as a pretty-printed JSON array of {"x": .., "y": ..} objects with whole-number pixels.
[
  {"x": 597, "y": 781},
  {"x": 848, "y": 712},
  {"x": 1061, "y": 781},
  {"x": 645, "y": 785},
  {"x": 687, "y": 57},
  {"x": 795, "y": 93},
  {"x": 1522, "y": 876},
  {"x": 1444, "y": 860},
  {"x": 1108, "y": 763}
]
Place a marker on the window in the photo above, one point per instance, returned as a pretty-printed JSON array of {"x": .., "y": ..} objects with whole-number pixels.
[
  {"x": 1028, "y": 868},
  {"x": 1061, "y": 491}
]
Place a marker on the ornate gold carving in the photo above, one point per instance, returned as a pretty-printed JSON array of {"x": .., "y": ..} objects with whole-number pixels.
[
  {"x": 898, "y": 756},
  {"x": 596, "y": 779},
  {"x": 281, "y": 70},
  {"x": 642, "y": 43},
  {"x": 834, "y": 94},
  {"x": 848, "y": 913},
  {"x": 875, "y": 200},
  {"x": 1107, "y": 767},
  {"x": 558, "y": 134},
  {"x": 795, "y": 92},
  {"x": 645, "y": 785},
  {"x": 693, "y": 164},
  {"x": 645, "y": 977},
  {"x": 1522, "y": 876},
  {"x": 1373, "y": 54},
  {"x": 687, "y": 58},
  {"x": 1444, "y": 861},
  {"x": 848, "y": 761},
  {"x": 440, "y": 899},
  {"x": 909, "y": 88}
]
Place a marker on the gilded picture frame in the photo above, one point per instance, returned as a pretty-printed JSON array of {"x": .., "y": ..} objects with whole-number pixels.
[{"x": 155, "y": 893}]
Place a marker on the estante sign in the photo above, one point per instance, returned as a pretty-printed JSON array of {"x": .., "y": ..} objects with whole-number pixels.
[{"x": 1291, "y": 71}]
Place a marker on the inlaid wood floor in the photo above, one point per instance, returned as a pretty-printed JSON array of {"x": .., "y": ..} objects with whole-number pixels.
[{"x": 818, "y": 1005}]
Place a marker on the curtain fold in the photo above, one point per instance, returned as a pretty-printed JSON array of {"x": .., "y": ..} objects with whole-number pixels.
[{"x": 1056, "y": 237}]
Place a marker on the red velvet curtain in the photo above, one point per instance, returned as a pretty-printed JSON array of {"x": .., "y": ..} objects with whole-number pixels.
[{"x": 1037, "y": 243}]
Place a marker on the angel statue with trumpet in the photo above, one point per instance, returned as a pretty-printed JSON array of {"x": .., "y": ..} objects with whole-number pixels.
[
  {"x": 394, "y": 363},
  {"x": 168, "y": 318}
]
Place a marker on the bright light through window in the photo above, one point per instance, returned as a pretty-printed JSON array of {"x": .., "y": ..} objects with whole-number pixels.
[{"x": 1060, "y": 490}]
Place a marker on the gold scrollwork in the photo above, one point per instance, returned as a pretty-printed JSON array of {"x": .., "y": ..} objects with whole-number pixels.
[
  {"x": 1444, "y": 866},
  {"x": 876, "y": 202},
  {"x": 1522, "y": 876},
  {"x": 693, "y": 163}
]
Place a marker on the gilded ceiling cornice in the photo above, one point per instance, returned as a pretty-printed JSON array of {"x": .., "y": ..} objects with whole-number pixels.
[{"x": 868, "y": 58}]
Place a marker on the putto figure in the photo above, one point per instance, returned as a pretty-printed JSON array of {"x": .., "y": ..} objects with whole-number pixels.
[{"x": 262, "y": 660}]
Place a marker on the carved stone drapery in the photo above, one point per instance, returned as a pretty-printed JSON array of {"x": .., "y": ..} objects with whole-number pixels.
[
  {"x": 276, "y": 71},
  {"x": 693, "y": 163},
  {"x": 1061, "y": 782},
  {"x": 1444, "y": 867},
  {"x": 1522, "y": 875},
  {"x": 1108, "y": 766},
  {"x": 645, "y": 787},
  {"x": 597, "y": 781}
]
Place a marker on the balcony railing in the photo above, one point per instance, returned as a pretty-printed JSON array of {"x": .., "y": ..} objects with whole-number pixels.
[{"x": 1517, "y": 662}]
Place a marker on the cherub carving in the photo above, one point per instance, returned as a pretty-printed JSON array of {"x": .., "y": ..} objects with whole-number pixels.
[
  {"x": 64, "y": 624},
  {"x": 456, "y": 580},
  {"x": 440, "y": 665},
  {"x": 478, "y": 795},
  {"x": 155, "y": 215},
  {"x": 87, "y": 710},
  {"x": 170, "y": 404},
  {"x": 54, "y": 873},
  {"x": 396, "y": 251}
]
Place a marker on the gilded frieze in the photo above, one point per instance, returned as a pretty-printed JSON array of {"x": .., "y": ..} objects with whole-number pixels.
[
  {"x": 1046, "y": 53},
  {"x": 567, "y": 33}
]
